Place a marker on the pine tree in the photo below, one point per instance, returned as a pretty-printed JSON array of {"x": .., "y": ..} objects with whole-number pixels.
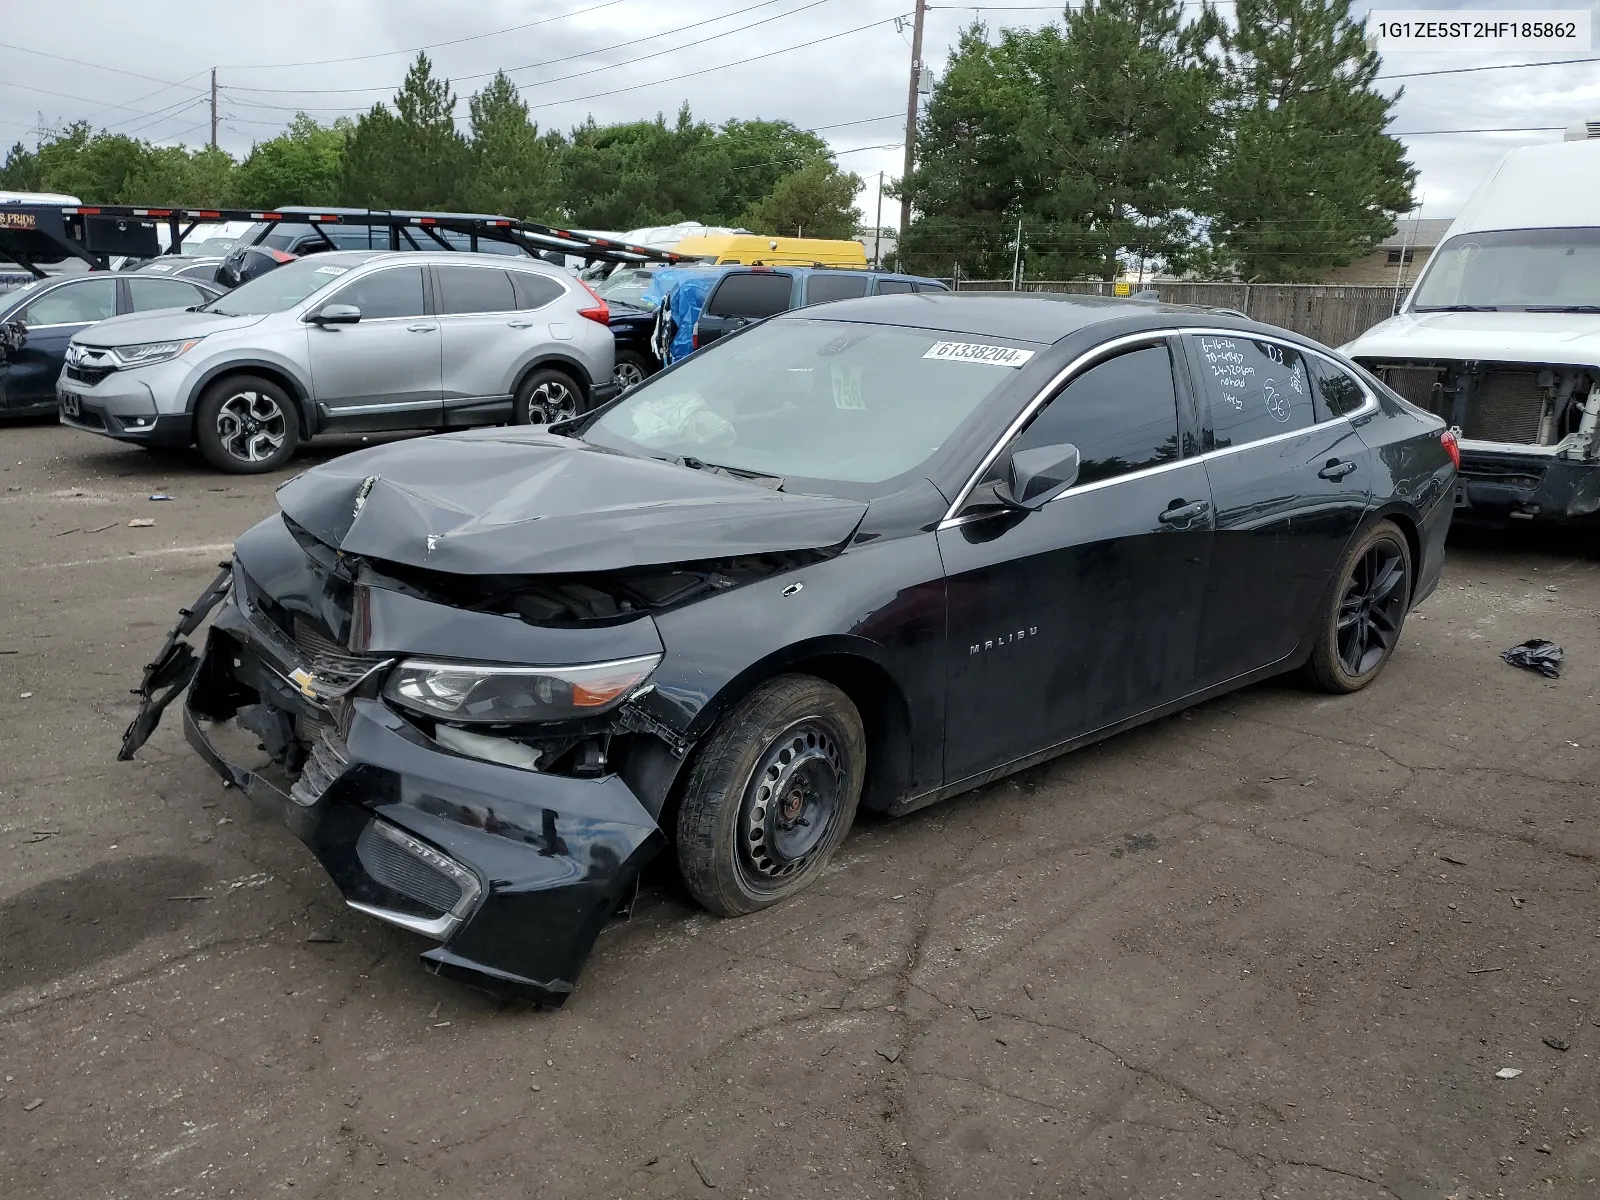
[
  {"x": 513, "y": 169},
  {"x": 411, "y": 158},
  {"x": 1309, "y": 180},
  {"x": 816, "y": 201}
]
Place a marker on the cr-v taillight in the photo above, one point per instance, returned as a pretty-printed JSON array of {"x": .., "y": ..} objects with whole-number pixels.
[
  {"x": 598, "y": 311},
  {"x": 1452, "y": 447}
]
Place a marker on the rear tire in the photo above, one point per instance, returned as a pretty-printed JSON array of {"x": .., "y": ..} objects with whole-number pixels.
[
  {"x": 246, "y": 425},
  {"x": 631, "y": 369},
  {"x": 1361, "y": 620},
  {"x": 545, "y": 397},
  {"x": 772, "y": 793}
]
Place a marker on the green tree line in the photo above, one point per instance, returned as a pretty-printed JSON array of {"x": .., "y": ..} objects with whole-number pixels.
[
  {"x": 410, "y": 154},
  {"x": 1151, "y": 131}
]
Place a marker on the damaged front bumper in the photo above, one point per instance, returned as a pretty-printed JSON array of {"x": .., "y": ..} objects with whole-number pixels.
[
  {"x": 512, "y": 872},
  {"x": 1496, "y": 486}
]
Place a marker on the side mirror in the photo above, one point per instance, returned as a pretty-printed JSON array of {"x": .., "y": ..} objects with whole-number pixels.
[
  {"x": 13, "y": 336},
  {"x": 337, "y": 314},
  {"x": 1037, "y": 476}
]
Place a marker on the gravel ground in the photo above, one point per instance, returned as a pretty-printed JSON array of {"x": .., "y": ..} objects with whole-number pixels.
[{"x": 1277, "y": 946}]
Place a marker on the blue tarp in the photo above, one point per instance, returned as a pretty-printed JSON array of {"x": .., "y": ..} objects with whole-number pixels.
[{"x": 686, "y": 289}]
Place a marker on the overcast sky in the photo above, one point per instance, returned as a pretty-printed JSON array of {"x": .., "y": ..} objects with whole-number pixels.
[{"x": 145, "y": 72}]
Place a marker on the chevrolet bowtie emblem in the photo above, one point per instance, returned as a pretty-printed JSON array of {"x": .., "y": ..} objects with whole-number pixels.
[{"x": 306, "y": 682}]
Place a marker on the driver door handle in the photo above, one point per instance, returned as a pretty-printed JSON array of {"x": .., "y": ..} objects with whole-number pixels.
[
  {"x": 1337, "y": 469},
  {"x": 1180, "y": 513},
  {"x": 422, "y": 328}
]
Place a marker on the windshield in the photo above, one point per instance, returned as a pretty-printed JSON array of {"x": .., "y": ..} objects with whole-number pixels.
[
  {"x": 626, "y": 286},
  {"x": 1516, "y": 269},
  {"x": 15, "y": 297},
  {"x": 825, "y": 400},
  {"x": 277, "y": 290},
  {"x": 214, "y": 247}
]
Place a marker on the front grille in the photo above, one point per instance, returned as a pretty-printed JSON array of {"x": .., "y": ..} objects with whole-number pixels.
[
  {"x": 89, "y": 374},
  {"x": 327, "y": 761},
  {"x": 87, "y": 419},
  {"x": 328, "y": 660},
  {"x": 1505, "y": 407},
  {"x": 391, "y": 864}
]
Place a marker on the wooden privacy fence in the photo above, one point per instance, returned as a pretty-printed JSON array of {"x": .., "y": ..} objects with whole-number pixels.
[{"x": 1332, "y": 313}]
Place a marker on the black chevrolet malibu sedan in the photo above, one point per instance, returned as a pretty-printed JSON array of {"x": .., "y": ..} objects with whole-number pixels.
[{"x": 865, "y": 555}]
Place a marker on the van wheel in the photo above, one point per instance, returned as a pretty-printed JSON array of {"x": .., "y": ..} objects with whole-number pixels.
[
  {"x": 246, "y": 425},
  {"x": 771, "y": 795},
  {"x": 1361, "y": 620},
  {"x": 545, "y": 397}
]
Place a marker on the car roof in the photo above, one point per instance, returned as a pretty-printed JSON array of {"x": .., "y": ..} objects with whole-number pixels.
[
  {"x": 353, "y": 258},
  {"x": 1043, "y": 317}
]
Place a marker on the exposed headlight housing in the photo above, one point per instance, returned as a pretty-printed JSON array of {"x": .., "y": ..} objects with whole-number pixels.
[
  {"x": 492, "y": 694},
  {"x": 146, "y": 353}
]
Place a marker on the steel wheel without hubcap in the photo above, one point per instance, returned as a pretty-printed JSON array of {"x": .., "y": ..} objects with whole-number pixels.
[
  {"x": 251, "y": 427},
  {"x": 790, "y": 805}
]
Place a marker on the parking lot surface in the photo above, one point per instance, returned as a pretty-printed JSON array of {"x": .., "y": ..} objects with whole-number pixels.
[{"x": 1278, "y": 946}]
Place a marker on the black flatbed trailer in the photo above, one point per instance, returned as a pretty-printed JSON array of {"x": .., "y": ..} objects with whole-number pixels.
[{"x": 34, "y": 234}]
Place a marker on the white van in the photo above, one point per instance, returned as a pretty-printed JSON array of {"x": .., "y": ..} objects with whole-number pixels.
[{"x": 1501, "y": 336}]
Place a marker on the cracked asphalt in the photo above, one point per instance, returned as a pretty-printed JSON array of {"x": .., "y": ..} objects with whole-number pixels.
[{"x": 1276, "y": 947}]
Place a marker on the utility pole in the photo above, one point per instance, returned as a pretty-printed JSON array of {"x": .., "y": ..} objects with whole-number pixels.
[
  {"x": 213, "y": 108},
  {"x": 911, "y": 113},
  {"x": 877, "y": 228}
]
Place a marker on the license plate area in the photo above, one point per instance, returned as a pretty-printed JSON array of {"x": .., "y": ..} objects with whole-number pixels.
[{"x": 69, "y": 404}]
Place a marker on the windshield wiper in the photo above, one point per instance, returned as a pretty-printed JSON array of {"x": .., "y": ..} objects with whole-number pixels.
[
  {"x": 775, "y": 482},
  {"x": 1456, "y": 308},
  {"x": 1563, "y": 308}
]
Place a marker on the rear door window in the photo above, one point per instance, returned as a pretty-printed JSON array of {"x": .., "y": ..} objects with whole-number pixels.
[
  {"x": 1254, "y": 388},
  {"x": 893, "y": 287},
  {"x": 73, "y": 304},
  {"x": 822, "y": 288},
  {"x": 751, "y": 295},
  {"x": 391, "y": 292},
  {"x": 474, "y": 290},
  {"x": 148, "y": 294}
]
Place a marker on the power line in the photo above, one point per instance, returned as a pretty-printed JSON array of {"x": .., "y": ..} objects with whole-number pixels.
[
  {"x": 719, "y": 67},
  {"x": 565, "y": 58},
  {"x": 1559, "y": 62},
  {"x": 323, "y": 62}
]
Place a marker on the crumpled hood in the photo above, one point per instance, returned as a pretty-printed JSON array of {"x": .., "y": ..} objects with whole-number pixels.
[
  {"x": 525, "y": 502},
  {"x": 1492, "y": 336},
  {"x": 163, "y": 325}
]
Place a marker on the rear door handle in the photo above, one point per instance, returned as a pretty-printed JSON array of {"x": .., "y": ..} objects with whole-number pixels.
[
  {"x": 1337, "y": 469},
  {"x": 520, "y": 324},
  {"x": 422, "y": 328},
  {"x": 1180, "y": 513}
]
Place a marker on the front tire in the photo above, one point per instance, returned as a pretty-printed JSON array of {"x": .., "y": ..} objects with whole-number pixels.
[
  {"x": 545, "y": 397},
  {"x": 1366, "y": 608},
  {"x": 246, "y": 425},
  {"x": 772, "y": 793}
]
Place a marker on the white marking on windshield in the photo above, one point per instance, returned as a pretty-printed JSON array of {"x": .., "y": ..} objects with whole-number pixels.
[{"x": 975, "y": 352}]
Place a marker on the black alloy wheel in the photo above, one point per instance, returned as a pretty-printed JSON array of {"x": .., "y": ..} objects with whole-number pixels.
[
  {"x": 1361, "y": 624},
  {"x": 771, "y": 795}
]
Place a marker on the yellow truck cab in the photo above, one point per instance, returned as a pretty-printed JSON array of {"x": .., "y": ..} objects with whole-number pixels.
[{"x": 754, "y": 249}]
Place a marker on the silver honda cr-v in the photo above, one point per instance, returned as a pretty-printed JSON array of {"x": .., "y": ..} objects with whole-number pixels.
[{"x": 344, "y": 341}]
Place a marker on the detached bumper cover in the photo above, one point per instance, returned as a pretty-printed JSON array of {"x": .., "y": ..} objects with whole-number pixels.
[
  {"x": 1496, "y": 485},
  {"x": 513, "y": 872}
]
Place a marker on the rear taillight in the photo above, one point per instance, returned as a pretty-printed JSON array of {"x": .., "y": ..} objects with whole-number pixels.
[
  {"x": 598, "y": 311},
  {"x": 694, "y": 339},
  {"x": 280, "y": 256},
  {"x": 1447, "y": 439}
]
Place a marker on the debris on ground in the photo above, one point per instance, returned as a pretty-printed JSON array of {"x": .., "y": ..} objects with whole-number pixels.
[
  {"x": 1556, "y": 1043},
  {"x": 699, "y": 1170},
  {"x": 892, "y": 1053},
  {"x": 1536, "y": 654},
  {"x": 981, "y": 1014},
  {"x": 141, "y": 523},
  {"x": 1454, "y": 862},
  {"x": 1508, "y": 1072},
  {"x": 159, "y": 496},
  {"x": 322, "y": 937},
  {"x": 31, "y": 1105}
]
